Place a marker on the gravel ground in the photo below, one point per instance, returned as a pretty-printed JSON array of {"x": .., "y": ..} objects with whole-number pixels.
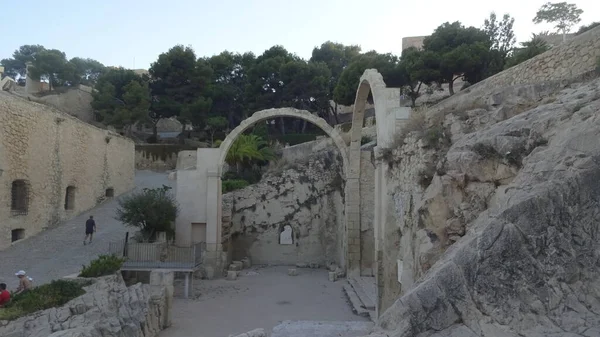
[
  {"x": 59, "y": 251},
  {"x": 262, "y": 297}
]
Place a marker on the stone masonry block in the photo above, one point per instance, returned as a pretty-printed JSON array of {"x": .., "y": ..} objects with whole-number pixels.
[
  {"x": 235, "y": 267},
  {"x": 293, "y": 272},
  {"x": 238, "y": 264}
]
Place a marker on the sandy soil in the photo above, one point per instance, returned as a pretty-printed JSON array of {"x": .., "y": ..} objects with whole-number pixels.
[{"x": 261, "y": 297}]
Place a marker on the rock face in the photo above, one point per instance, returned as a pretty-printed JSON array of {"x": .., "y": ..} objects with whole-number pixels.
[
  {"x": 498, "y": 213},
  {"x": 108, "y": 309},
  {"x": 294, "y": 214}
]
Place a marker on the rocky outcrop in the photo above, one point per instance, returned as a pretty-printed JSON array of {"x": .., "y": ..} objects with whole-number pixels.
[
  {"x": 108, "y": 309},
  {"x": 499, "y": 229},
  {"x": 302, "y": 199}
]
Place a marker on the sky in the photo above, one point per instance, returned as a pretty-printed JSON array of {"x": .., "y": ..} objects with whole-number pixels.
[{"x": 132, "y": 33}]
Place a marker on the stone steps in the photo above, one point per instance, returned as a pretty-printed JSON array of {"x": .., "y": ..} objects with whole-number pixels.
[
  {"x": 321, "y": 329},
  {"x": 358, "y": 287},
  {"x": 361, "y": 296}
]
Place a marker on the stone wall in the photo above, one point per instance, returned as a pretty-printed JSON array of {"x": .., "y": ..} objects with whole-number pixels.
[
  {"x": 43, "y": 154},
  {"x": 306, "y": 196},
  {"x": 158, "y": 157},
  {"x": 74, "y": 101}
]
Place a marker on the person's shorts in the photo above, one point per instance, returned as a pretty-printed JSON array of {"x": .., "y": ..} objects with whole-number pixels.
[{"x": 89, "y": 232}]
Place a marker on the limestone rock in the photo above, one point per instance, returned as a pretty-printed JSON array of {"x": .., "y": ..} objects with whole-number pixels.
[
  {"x": 512, "y": 249},
  {"x": 108, "y": 308}
]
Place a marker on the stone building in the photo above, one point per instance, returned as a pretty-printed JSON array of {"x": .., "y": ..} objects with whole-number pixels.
[{"x": 54, "y": 166}]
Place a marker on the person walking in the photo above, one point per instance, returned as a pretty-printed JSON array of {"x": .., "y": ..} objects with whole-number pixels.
[{"x": 90, "y": 228}]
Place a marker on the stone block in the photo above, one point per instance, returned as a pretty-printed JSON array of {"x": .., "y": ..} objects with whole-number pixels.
[
  {"x": 292, "y": 272},
  {"x": 332, "y": 276},
  {"x": 246, "y": 262},
  {"x": 301, "y": 265},
  {"x": 232, "y": 275},
  {"x": 235, "y": 267},
  {"x": 314, "y": 265},
  {"x": 238, "y": 264}
]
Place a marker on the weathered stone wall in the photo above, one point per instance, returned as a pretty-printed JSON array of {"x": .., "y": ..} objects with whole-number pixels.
[
  {"x": 74, "y": 101},
  {"x": 158, "y": 157},
  {"x": 307, "y": 196},
  {"x": 302, "y": 151},
  {"x": 51, "y": 151}
]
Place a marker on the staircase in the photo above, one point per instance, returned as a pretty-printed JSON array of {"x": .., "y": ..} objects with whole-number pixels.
[
  {"x": 362, "y": 294},
  {"x": 321, "y": 329}
]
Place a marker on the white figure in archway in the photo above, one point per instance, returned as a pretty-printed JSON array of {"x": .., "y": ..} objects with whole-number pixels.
[{"x": 285, "y": 237}]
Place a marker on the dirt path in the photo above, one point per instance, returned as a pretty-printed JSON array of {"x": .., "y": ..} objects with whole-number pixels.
[{"x": 261, "y": 297}]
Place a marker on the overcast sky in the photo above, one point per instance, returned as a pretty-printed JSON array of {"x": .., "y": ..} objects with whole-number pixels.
[{"x": 132, "y": 33}]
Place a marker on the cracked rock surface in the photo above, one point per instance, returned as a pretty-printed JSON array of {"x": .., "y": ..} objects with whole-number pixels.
[
  {"x": 108, "y": 309},
  {"x": 526, "y": 260}
]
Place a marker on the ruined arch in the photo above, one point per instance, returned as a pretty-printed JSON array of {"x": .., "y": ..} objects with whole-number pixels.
[
  {"x": 284, "y": 112},
  {"x": 390, "y": 113}
]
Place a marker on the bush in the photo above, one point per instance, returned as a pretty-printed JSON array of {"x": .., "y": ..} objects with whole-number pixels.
[
  {"x": 103, "y": 265},
  {"x": 152, "y": 210},
  {"x": 233, "y": 184},
  {"x": 43, "y": 297}
]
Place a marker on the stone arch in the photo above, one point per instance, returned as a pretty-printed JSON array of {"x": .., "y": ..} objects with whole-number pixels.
[
  {"x": 284, "y": 112},
  {"x": 272, "y": 113},
  {"x": 389, "y": 111}
]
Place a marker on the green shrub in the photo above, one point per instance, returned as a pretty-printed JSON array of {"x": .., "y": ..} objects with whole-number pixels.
[
  {"x": 233, "y": 184},
  {"x": 151, "y": 210},
  {"x": 43, "y": 297},
  {"x": 102, "y": 266}
]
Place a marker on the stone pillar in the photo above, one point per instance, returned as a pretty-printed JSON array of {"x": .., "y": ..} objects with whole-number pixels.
[
  {"x": 162, "y": 281},
  {"x": 353, "y": 226},
  {"x": 213, "y": 221}
]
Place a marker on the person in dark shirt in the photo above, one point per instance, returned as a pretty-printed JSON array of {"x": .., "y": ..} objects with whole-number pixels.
[
  {"x": 4, "y": 295},
  {"x": 90, "y": 228}
]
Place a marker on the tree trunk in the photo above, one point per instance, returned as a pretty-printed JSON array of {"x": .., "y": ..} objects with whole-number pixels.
[
  {"x": 155, "y": 130},
  {"x": 451, "y": 87},
  {"x": 282, "y": 125},
  {"x": 335, "y": 114}
]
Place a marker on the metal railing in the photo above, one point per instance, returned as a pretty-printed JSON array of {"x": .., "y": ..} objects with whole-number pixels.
[{"x": 157, "y": 255}]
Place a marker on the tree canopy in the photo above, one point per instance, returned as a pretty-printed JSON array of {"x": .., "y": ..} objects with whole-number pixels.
[
  {"x": 562, "y": 14},
  {"x": 52, "y": 65}
]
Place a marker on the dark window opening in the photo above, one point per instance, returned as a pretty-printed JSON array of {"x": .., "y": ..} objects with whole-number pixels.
[
  {"x": 19, "y": 197},
  {"x": 70, "y": 198},
  {"x": 17, "y": 234},
  {"x": 110, "y": 192}
]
